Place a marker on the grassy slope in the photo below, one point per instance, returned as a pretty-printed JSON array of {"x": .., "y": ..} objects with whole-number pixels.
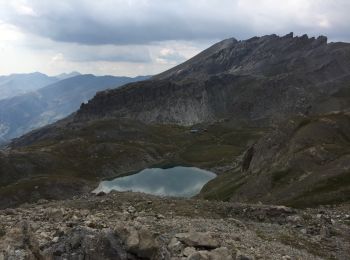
[
  {"x": 109, "y": 148},
  {"x": 304, "y": 163}
]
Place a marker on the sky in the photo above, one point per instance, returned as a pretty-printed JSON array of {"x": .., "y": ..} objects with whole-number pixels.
[{"x": 145, "y": 37}]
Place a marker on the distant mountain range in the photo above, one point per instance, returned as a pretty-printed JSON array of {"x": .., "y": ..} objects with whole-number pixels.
[
  {"x": 18, "y": 84},
  {"x": 26, "y": 112},
  {"x": 67, "y": 75}
]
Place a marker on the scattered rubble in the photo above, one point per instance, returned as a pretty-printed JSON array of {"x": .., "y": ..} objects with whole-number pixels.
[{"x": 124, "y": 225}]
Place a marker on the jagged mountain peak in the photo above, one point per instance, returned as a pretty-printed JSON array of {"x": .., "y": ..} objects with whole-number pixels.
[
  {"x": 263, "y": 78},
  {"x": 248, "y": 56}
]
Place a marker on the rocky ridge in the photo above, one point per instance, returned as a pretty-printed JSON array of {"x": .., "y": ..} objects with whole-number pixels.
[{"x": 262, "y": 80}]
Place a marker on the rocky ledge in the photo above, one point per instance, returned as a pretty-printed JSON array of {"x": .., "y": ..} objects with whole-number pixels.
[{"x": 138, "y": 226}]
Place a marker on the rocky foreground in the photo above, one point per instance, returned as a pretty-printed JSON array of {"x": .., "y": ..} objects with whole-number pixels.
[{"x": 138, "y": 226}]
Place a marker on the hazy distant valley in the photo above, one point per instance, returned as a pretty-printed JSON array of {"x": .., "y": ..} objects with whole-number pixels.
[{"x": 47, "y": 99}]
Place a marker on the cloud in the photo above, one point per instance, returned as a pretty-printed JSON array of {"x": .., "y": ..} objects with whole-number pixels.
[
  {"x": 109, "y": 53},
  {"x": 133, "y": 37},
  {"x": 21, "y": 8},
  {"x": 57, "y": 58},
  {"x": 145, "y": 21},
  {"x": 170, "y": 56}
]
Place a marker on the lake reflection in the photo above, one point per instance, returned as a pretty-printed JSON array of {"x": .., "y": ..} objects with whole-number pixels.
[{"x": 178, "y": 182}]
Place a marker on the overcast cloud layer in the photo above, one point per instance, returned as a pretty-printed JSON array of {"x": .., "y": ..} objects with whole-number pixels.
[{"x": 131, "y": 37}]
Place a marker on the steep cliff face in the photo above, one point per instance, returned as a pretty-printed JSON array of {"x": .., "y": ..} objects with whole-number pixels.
[
  {"x": 147, "y": 101},
  {"x": 260, "y": 79}
]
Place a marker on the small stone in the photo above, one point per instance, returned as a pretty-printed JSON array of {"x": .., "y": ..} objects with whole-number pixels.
[
  {"x": 55, "y": 239},
  {"x": 131, "y": 209},
  {"x": 240, "y": 256},
  {"x": 9, "y": 212},
  {"x": 325, "y": 232},
  {"x": 221, "y": 253},
  {"x": 132, "y": 240},
  {"x": 198, "y": 239},
  {"x": 286, "y": 257},
  {"x": 71, "y": 224},
  {"x": 175, "y": 246},
  {"x": 54, "y": 214},
  {"x": 75, "y": 241},
  {"x": 148, "y": 245},
  {"x": 202, "y": 255},
  {"x": 100, "y": 194},
  {"x": 90, "y": 224},
  {"x": 294, "y": 219},
  {"x": 189, "y": 251},
  {"x": 236, "y": 238},
  {"x": 44, "y": 234},
  {"x": 141, "y": 243},
  {"x": 160, "y": 216}
]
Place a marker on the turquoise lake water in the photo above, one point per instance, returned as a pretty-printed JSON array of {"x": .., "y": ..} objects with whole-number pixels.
[{"x": 175, "y": 182}]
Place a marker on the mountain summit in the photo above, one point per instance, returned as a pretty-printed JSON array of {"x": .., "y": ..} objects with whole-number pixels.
[{"x": 263, "y": 79}]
